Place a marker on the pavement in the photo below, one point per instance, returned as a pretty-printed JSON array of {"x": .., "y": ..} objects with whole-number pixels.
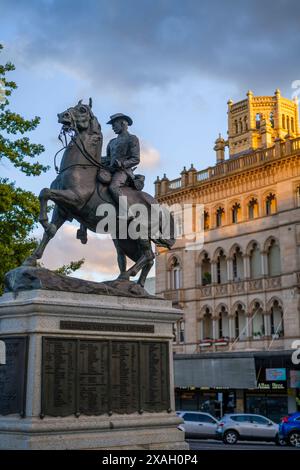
[{"x": 197, "y": 444}]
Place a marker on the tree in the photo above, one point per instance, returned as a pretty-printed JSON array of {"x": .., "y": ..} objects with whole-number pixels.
[{"x": 19, "y": 209}]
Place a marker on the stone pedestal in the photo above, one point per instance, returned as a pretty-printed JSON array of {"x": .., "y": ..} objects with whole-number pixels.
[{"x": 87, "y": 371}]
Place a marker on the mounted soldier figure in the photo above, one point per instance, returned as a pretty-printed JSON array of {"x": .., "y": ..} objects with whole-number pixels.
[
  {"x": 123, "y": 154},
  {"x": 86, "y": 181}
]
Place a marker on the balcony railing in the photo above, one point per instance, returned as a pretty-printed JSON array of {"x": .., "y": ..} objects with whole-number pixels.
[
  {"x": 241, "y": 287},
  {"x": 256, "y": 157}
]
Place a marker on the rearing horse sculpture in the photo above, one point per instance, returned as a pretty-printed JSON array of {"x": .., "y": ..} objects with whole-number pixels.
[{"x": 77, "y": 193}]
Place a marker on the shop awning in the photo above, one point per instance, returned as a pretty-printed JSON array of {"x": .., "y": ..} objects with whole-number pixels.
[{"x": 227, "y": 372}]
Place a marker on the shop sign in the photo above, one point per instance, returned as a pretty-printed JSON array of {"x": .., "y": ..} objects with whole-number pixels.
[
  {"x": 274, "y": 386},
  {"x": 276, "y": 374}
]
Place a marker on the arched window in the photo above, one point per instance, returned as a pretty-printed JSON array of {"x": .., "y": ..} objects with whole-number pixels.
[
  {"x": 221, "y": 268},
  {"x": 255, "y": 261},
  {"x": 257, "y": 120},
  {"x": 240, "y": 323},
  {"x": 207, "y": 325},
  {"x": 273, "y": 254},
  {"x": 236, "y": 212},
  {"x": 272, "y": 119},
  {"x": 245, "y": 123},
  {"x": 288, "y": 123},
  {"x": 206, "y": 270},
  {"x": 237, "y": 265},
  {"x": 175, "y": 274},
  {"x": 206, "y": 220},
  {"x": 277, "y": 327},
  {"x": 258, "y": 326},
  {"x": 283, "y": 121},
  {"x": 270, "y": 204},
  {"x": 220, "y": 216},
  {"x": 253, "y": 208},
  {"x": 292, "y": 125},
  {"x": 236, "y": 127},
  {"x": 223, "y": 323},
  {"x": 241, "y": 125}
]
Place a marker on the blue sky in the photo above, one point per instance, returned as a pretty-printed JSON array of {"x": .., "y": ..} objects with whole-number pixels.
[{"x": 171, "y": 65}]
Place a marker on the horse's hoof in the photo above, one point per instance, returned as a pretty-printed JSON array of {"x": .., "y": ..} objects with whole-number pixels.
[
  {"x": 123, "y": 277},
  {"x": 30, "y": 261}
]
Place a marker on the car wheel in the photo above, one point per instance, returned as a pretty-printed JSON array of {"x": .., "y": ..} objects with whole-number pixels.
[
  {"x": 294, "y": 439},
  {"x": 230, "y": 437}
]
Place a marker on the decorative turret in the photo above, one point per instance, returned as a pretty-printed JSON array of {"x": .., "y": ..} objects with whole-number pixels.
[{"x": 219, "y": 147}]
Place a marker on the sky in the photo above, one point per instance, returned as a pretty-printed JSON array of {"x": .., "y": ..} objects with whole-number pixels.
[{"x": 171, "y": 65}]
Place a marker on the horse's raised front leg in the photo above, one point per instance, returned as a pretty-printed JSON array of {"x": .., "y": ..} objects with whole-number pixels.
[
  {"x": 63, "y": 196},
  {"x": 57, "y": 221}
]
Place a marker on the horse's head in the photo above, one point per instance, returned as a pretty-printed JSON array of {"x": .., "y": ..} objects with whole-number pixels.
[{"x": 80, "y": 118}]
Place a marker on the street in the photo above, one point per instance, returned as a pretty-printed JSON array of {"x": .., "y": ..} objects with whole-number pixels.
[{"x": 197, "y": 444}]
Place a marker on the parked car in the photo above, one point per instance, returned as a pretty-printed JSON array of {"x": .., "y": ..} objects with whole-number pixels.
[
  {"x": 198, "y": 425},
  {"x": 248, "y": 427},
  {"x": 289, "y": 429}
]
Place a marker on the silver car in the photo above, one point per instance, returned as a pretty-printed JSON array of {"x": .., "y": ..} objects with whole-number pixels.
[
  {"x": 198, "y": 425},
  {"x": 247, "y": 427}
]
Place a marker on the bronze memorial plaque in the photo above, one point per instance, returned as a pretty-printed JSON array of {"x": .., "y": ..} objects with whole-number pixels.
[
  {"x": 13, "y": 376},
  {"x": 59, "y": 376},
  {"x": 155, "y": 376},
  {"x": 124, "y": 368},
  {"x": 95, "y": 377}
]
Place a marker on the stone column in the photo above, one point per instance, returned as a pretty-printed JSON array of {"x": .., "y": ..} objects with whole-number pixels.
[
  {"x": 249, "y": 326},
  {"x": 229, "y": 270},
  {"x": 264, "y": 263},
  {"x": 214, "y": 272},
  {"x": 246, "y": 260},
  {"x": 232, "y": 327},
  {"x": 267, "y": 323},
  {"x": 215, "y": 328}
]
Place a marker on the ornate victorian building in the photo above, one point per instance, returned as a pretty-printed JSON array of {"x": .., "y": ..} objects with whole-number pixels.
[{"x": 239, "y": 293}]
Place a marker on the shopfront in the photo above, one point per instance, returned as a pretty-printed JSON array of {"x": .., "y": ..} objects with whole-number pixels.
[
  {"x": 266, "y": 383},
  {"x": 214, "y": 401}
]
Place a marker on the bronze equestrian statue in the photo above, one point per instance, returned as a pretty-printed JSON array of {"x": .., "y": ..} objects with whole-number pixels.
[{"x": 86, "y": 181}]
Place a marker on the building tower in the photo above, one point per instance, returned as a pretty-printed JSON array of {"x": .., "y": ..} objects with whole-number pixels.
[{"x": 258, "y": 120}]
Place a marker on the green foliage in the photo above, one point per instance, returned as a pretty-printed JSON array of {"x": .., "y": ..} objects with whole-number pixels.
[
  {"x": 67, "y": 269},
  {"x": 19, "y": 211},
  {"x": 18, "y": 150}
]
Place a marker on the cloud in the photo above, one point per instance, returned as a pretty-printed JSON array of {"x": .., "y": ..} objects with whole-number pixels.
[
  {"x": 99, "y": 254},
  {"x": 126, "y": 47},
  {"x": 150, "y": 157}
]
